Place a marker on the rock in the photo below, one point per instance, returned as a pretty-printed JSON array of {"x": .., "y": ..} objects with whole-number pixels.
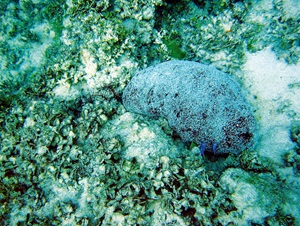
[{"x": 201, "y": 103}]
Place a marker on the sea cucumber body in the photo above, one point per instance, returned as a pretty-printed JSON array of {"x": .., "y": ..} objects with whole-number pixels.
[{"x": 201, "y": 103}]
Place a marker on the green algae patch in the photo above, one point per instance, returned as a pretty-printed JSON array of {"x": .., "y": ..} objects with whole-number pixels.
[{"x": 174, "y": 48}]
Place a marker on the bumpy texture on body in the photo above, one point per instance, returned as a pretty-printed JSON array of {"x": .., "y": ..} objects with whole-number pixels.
[{"x": 201, "y": 103}]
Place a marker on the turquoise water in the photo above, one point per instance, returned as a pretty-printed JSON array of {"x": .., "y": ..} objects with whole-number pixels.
[{"x": 72, "y": 155}]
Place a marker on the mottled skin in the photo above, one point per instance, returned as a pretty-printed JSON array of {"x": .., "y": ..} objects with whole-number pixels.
[{"x": 201, "y": 103}]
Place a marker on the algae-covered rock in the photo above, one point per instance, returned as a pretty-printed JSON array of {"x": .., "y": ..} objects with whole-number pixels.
[
  {"x": 201, "y": 103},
  {"x": 259, "y": 198},
  {"x": 295, "y": 132}
]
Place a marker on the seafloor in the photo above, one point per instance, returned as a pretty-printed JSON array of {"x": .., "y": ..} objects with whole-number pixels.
[{"x": 72, "y": 155}]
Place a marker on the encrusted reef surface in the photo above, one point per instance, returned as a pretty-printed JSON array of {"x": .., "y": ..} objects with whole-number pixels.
[{"x": 71, "y": 154}]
